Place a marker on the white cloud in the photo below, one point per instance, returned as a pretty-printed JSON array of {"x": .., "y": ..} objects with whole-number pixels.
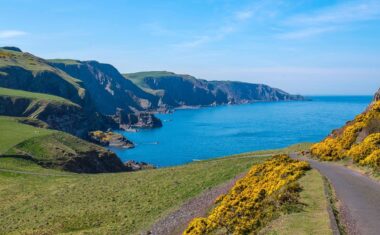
[
  {"x": 244, "y": 15},
  {"x": 334, "y": 18},
  {"x": 6, "y": 34},
  {"x": 305, "y": 33},
  {"x": 340, "y": 14}
]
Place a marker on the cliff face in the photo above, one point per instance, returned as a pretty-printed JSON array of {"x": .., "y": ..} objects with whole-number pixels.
[
  {"x": 98, "y": 90},
  {"x": 183, "y": 90},
  {"x": 57, "y": 115},
  {"x": 107, "y": 87}
]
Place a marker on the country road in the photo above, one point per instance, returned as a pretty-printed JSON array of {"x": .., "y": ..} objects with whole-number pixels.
[{"x": 359, "y": 195}]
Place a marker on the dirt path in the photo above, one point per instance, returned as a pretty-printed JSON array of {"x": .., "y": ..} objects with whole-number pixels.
[
  {"x": 177, "y": 221},
  {"x": 359, "y": 195}
]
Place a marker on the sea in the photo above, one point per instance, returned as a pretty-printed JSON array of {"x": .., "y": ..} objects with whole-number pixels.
[{"x": 211, "y": 132}]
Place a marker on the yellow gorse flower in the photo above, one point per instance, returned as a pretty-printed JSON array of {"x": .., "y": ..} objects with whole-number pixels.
[{"x": 254, "y": 199}]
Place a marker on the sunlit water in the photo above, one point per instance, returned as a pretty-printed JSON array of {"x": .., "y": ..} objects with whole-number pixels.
[{"x": 205, "y": 133}]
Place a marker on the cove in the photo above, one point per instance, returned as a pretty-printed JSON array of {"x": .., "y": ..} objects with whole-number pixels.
[{"x": 198, "y": 134}]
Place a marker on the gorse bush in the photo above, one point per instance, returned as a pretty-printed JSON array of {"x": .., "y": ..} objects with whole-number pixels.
[
  {"x": 254, "y": 200},
  {"x": 352, "y": 143}
]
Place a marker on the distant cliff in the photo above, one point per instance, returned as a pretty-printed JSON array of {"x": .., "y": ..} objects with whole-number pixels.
[
  {"x": 176, "y": 90},
  {"x": 377, "y": 96}
]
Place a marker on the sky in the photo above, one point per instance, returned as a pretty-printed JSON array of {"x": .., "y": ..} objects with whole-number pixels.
[{"x": 303, "y": 47}]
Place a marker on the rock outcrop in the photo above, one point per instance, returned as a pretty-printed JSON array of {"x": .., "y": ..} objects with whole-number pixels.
[
  {"x": 127, "y": 120},
  {"x": 110, "y": 139}
]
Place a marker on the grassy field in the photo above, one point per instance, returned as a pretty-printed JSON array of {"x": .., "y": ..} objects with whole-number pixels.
[
  {"x": 32, "y": 95},
  {"x": 314, "y": 218},
  {"x": 122, "y": 203},
  {"x": 43, "y": 201},
  {"x": 13, "y": 133}
]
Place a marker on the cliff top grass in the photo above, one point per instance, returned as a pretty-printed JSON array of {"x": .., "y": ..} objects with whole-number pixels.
[
  {"x": 13, "y": 133},
  {"x": 27, "y": 61},
  {"x": 65, "y": 61},
  {"x": 32, "y": 95},
  {"x": 139, "y": 79},
  {"x": 118, "y": 203}
]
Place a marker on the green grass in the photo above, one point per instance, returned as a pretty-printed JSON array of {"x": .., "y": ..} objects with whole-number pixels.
[
  {"x": 43, "y": 201},
  {"x": 65, "y": 61},
  {"x": 33, "y": 64},
  {"x": 13, "y": 133},
  {"x": 313, "y": 219},
  {"x": 32, "y": 95},
  {"x": 123, "y": 203}
]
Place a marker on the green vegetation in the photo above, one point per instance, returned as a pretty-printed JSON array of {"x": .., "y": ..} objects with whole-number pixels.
[
  {"x": 34, "y": 64},
  {"x": 122, "y": 203},
  {"x": 118, "y": 203},
  {"x": 65, "y": 61},
  {"x": 32, "y": 95},
  {"x": 13, "y": 133},
  {"x": 313, "y": 218},
  {"x": 53, "y": 148}
]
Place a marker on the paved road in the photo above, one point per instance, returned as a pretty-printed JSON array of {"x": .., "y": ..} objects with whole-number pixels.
[{"x": 360, "y": 197}]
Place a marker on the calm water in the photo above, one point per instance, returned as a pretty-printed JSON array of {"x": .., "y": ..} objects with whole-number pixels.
[{"x": 224, "y": 130}]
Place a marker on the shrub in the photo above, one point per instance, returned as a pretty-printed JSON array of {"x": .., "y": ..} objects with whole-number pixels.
[{"x": 254, "y": 200}]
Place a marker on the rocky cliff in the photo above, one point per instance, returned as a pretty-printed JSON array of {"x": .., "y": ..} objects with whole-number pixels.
[
  {"x": 107, "y": 87},
  {"x": 176, "y": 90},
  {"x": 56, "y": 112},
  {"x": 100, "y": 93}
]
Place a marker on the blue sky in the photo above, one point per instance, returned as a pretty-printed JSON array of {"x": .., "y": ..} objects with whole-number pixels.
[{"x": 305, "y": 47}]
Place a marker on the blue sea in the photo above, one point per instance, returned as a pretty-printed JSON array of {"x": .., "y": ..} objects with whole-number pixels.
[{"x": 211, "y": 132}]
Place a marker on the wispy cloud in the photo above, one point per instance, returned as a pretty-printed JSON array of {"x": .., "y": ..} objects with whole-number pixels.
[
  {"x": 244, "y": 14},
  {"x": 340, "y": 14},
  {"x": 232, "y": 25},
  {"x": 330, "y": 19},
  {"x": 306, "y": 33},
  {"x": 7, "y": 34}
]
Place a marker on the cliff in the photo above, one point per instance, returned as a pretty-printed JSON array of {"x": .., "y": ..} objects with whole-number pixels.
[
  {"x": 56, "y": 112},
  {"x": 174, "y": 90},
  {"x": 107, "y": 87}
]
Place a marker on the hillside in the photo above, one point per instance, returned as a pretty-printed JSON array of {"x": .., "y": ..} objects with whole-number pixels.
[
  {"x": 358, "y": 140},
  {"x": 24, "y": 71},
  {"x": 45, "y": 201},
  {"x": 175, "y": 90},
  {"x": 54, "y": 149},
  {"x": 107, "y": 87},
  {"x": 56, "y": 112}
]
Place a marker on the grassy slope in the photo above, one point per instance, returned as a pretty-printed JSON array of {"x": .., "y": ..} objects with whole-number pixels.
[
  {"x": 34, "y": 64},
  {"x": 13, "y": 133},
  {"x": 314, "y": 219},
  {"x": 32, "y": 95},
  {"x": 121, "y": 203},
  {"x": 138, "y": 79}
]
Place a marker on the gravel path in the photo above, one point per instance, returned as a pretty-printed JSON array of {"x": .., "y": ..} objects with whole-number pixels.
[
  {"x": 177, "y": 221},
  {"x": 359, "y": 195}
]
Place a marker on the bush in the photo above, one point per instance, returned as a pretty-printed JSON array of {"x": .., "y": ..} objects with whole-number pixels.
[{"x": 254, "y": 200}]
